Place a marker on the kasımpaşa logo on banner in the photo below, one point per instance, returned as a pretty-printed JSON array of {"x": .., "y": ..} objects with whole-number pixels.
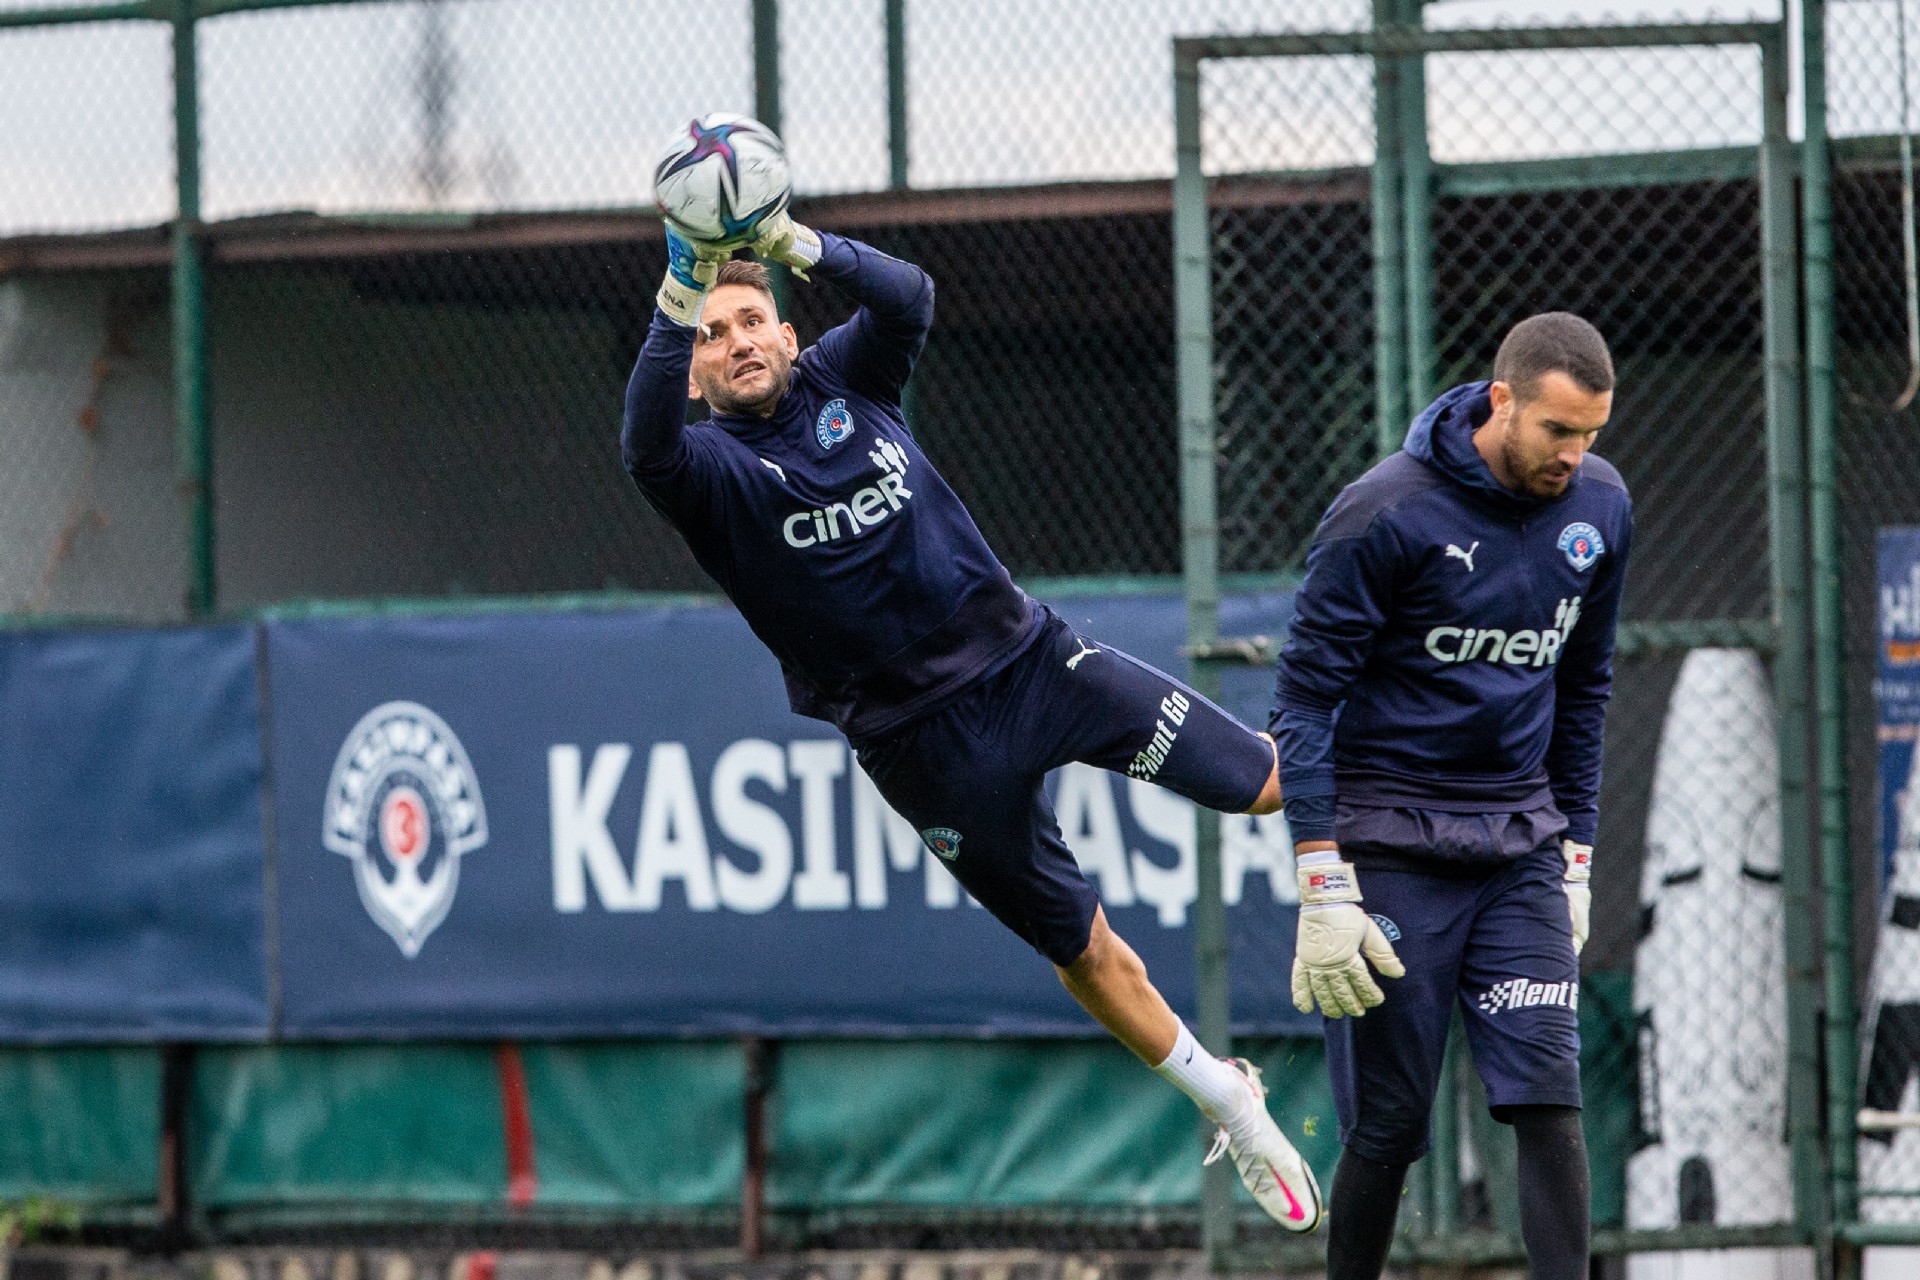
[{"x": 403, "y": 803}]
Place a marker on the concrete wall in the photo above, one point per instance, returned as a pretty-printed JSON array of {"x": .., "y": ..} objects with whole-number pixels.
[{"x": 90, "y": 518}]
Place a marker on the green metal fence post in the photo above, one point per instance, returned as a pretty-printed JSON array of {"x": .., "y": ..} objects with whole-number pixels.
[
  {"x": 1441, "y": 1168},
  {"x": 896, "y": 93},
  {"x": 1416, "y": 183},
  {"x": 766, "y": 63},
  {"x": 65, "y": 15},
  {"x": 192, "y": 429},
  {"x": 1389, "y": 248},
  {"x": 766, "y": 109},
  {"x": 1829, "y": 637},
  {"x": 174, "y": 1189},
  {"x": 1448, "y": 1123},
  {"x": 1787, "y": 513},
  {"x": 896, "y": 23},
  {"x": 1200, "y": 558}
]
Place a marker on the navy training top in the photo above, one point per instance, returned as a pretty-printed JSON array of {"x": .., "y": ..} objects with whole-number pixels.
[
  {"x": 846, "y": 552},
  {"x": 1452, "y": 642}
]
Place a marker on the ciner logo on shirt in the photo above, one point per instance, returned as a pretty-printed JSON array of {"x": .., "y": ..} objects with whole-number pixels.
[
  {"x": 1511, "y": 648},
  {"x": 862, "y": 511}
]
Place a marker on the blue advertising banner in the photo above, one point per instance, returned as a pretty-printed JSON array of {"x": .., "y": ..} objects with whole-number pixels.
[
  {"x": 1898, "y": 693},
  {"x": 131, "y": 900},
  {"x": 609, "y": 824}
]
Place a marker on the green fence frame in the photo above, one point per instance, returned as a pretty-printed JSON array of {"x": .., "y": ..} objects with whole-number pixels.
[
  {"x": 1828, "y": 643},
  {"x": 1803, "y": 633}
]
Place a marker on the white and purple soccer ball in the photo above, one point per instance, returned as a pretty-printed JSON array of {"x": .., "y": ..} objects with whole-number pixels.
[{"x": 720, "y": 177}]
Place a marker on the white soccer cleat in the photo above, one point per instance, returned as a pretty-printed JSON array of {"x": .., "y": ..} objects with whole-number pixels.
[{"x": 1269, "y": 1167}]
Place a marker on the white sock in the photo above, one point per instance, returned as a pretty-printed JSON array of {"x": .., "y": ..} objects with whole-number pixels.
[{"x": 1217, "y": 1089}]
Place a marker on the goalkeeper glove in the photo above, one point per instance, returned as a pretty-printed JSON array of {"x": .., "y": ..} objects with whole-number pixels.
[
  {"x": 692, "y": 266},
  {"x": 1334, "y": 933},
  {"x": 1579, "y": 894},
  {"x": 781, "y": 239}
]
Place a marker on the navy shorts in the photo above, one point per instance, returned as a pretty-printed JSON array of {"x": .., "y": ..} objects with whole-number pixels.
[
  {"x": 1493, "y": 937},
  {"x": 969, "y": 777}
]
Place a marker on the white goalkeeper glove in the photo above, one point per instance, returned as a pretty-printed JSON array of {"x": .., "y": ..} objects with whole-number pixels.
[
  {"x": 1579, "y": 893},
  {"x": 1334, "y": 934},
  {"x": 781, "y": 239},
  {"x": 692, "y": 266}
]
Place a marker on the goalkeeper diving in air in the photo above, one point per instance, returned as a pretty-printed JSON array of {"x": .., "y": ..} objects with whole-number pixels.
[{"x": 807, "y": 500}]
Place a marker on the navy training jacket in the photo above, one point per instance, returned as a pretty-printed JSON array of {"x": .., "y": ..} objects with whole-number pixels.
[
  {"x": 846, "y": 552},
  {"x": 1452, "y": 642}
]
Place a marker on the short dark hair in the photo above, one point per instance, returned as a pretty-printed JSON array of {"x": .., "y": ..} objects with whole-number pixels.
[
  {"x": 747, "y": 272},
  {"x": 1553, "y": 342}
]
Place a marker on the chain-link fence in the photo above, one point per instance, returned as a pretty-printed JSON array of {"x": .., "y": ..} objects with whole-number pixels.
[
  {"x": 379, "y": 362},
  {"x": 429, "y": 267},
  {"x": 1872, "y": 77},
  {"x": 1624, "y": 185}
]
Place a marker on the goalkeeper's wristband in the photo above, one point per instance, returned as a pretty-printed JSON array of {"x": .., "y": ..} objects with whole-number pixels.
[
  {"x": 1325, "y": 879},
  {"x": 1579, "y": 858},
  {"x": 690, "y": 277},
  {"x": 783, "y": 240},
  {"x": 680, "y": 303}
]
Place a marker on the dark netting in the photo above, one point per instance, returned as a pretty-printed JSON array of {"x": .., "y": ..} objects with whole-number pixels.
[
  {"x": 1293, "y": 360},
  {"x": 1878, "y": 463},
  {"x": 1688, "y": 918},
  {"x": 1670, "y": 273},
  {"x": 1879, "y": 446},
  {"x": 1285, "y": 143},
  {"x": 447, "y": 422},
  {"x": 1046, "y": 391},
  {"x": 1879, "y": 478},
  {"x": 1671, "y": 276},
  {"x": 431, "y": 424}
]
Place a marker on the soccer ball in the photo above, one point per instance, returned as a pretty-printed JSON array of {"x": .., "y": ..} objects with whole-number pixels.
[{"x": 720, "y": 177}]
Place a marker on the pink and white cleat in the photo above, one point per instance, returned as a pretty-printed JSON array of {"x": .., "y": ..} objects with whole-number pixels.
[{"x": 1269, "y": 1167}]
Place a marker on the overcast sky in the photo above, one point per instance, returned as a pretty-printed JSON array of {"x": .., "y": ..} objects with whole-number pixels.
[{"x": 564, "y": 103}]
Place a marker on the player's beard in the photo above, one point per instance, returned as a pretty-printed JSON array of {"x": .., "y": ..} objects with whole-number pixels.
[
  {"x": 724, "y": 399},
  {"x": 1544, "y": 483},
  {"x": 1535, "y": 480}
]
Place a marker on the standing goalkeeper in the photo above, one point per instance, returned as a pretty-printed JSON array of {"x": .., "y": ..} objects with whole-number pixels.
[
  {"x": 808, "y": 501},
  {"x": 1438, "y": 710}
]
